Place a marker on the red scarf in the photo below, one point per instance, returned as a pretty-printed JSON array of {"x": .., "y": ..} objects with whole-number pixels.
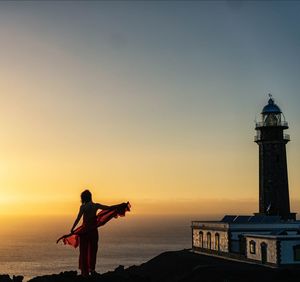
[{"x": 102, "y": 217}]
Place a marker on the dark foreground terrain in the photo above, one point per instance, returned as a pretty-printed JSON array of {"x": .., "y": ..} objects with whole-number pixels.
[{"x": 179, "y": 266}]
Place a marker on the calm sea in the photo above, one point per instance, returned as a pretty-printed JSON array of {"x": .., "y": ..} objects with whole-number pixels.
[{"x": 29, "y": 249}]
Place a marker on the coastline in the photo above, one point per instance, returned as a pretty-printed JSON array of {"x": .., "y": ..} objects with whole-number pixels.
[{"x": 178, "y": 266}]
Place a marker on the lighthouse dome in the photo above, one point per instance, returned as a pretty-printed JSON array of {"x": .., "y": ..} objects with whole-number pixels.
[{"x": 271, "y": 108}]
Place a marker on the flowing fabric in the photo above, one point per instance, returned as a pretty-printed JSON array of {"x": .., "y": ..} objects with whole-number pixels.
[{"x": 101, "y": 218}]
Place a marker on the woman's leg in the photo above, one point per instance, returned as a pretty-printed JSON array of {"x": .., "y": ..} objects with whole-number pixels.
[
  {"x": 83, "y": 255},
  {"x": 93, "y": 248}
]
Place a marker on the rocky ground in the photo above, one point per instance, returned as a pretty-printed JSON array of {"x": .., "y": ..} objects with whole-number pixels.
[{"x": 179, "y": 266}]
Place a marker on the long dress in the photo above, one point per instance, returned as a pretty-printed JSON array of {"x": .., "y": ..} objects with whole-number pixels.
[
  {"x": 88, "y": 241},
  {"x": 86, "y": 236}
]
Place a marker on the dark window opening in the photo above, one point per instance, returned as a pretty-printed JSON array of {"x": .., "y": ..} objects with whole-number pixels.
[
  {"x": 201, "y": 239},
  {"x": 208, "y": 240},
  {"x": 297, "y": 253},
  {"x": 217, "y": 241}
]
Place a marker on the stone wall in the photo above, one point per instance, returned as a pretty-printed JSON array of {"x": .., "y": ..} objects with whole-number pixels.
[
  {"x": 223, "y": 239},
  {"x": 271, "y": 249}
]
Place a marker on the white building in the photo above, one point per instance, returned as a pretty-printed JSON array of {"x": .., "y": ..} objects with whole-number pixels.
[{"x": 261, "y": 239}]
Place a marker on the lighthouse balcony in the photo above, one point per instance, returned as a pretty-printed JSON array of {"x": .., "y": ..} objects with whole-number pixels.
[
  {"x": 274, "y": 123},
  {"x": 257, "y": 138}
]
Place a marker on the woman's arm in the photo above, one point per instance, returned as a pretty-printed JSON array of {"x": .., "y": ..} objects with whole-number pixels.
[
  {"x": 102, "y": 207},
  {"x": 80, "y": 213}
]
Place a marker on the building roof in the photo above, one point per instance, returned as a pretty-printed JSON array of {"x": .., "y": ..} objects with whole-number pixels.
[
  {"x": 251, "y": 219},
  {"x": 271, "y": 108},
  {"x": 269, "y": 236},
  {"x": 281, "y": 231}
]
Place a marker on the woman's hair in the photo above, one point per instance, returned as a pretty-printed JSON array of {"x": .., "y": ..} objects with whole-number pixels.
[{"x": 86, "y": 196}]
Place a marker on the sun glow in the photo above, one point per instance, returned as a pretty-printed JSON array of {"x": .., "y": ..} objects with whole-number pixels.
[{"x": 163, "y": 118}]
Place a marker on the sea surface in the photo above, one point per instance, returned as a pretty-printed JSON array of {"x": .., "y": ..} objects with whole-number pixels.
[{"x": 29, "y": 248}]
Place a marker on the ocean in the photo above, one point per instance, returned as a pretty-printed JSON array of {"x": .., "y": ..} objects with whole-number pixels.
[{"x": 29, "y": 247}]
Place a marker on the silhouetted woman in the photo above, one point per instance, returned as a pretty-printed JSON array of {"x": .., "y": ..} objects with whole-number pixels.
[{"x": 88, "y": 241}]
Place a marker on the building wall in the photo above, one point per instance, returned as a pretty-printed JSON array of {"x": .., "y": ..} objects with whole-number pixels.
[
  {"x": 287, "y": 251},
  {"x": 235, "y": 235},
  {"x": 223, "y": 239},
  {"x": 271, "y": 249},
  {"x": 235, "y": 246},
  {"x": 236, "y": 240}
]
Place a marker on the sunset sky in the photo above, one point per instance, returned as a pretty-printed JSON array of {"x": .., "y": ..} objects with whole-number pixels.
[{"x": 151, "y": 102}]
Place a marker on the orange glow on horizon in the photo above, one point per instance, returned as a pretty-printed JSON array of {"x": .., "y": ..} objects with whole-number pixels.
[{"x": 169, "y": 133}]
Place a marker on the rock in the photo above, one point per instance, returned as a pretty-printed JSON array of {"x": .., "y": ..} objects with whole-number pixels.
[
  {"x": 66, "y": 276},
  {"x": 5, "y": 278},
  {"x": 119, "y": 269},
  {"x": 18, "y": 278}
]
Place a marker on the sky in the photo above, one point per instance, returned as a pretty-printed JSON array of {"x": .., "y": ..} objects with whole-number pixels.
[{"x": 148, "y": 102}]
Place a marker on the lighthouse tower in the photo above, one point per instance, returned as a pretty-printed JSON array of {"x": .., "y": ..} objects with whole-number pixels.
[{"x": 273, "y": 175}]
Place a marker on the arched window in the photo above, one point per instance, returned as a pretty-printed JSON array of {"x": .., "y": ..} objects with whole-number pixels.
[
  {"x": 264, "y": 252},
  {"x": 208, "y": 240},
  {"x": 217, "y": 242},
  {"x": 201, "y": 239},
  {"x": 252, "y": 247}
]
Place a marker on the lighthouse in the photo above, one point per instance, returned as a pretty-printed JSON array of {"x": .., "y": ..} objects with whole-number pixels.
[
  {"x": 273, "y": 174},
  {"x": 272, "y": 236}
]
